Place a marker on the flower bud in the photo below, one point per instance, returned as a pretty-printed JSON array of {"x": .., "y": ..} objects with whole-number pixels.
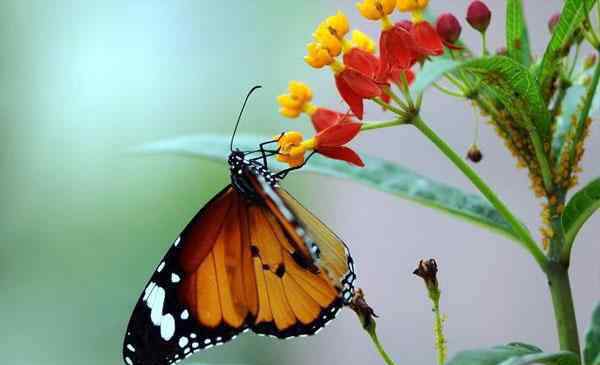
[
  {"x": 474, "y": 154},
  {"x": 427, "y": 270},
  {"x": 448, "y": 27},
  {"x": 553, "y": 21},
  {"x": 479, "y": 15}
]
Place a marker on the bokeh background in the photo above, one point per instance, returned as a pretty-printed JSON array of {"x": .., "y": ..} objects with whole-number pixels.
[{"x": 83, "y": 221}]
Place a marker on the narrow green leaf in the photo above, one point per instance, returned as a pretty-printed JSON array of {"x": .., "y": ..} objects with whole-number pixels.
[
  {"x": 378, "y": 174},
  {"x": 431, "y": 72},
  {"x": 516, "y": 88},
  {"x": 591, "y": 352},
  {"x": 492, "y": 356},
  {"x": 517, "y": 36},
  {"x": 579, "y": 208},
  {"x": 571, "y": 17},
  {"x": 556, "y": 358}
]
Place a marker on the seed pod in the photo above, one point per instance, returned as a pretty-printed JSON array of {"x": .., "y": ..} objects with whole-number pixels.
[{"x": 474, "y": 154}]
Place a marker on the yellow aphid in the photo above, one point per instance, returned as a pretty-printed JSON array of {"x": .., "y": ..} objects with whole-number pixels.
[
  {"x": 362, "y": 41},
  {"x": 318, "y": 56},
  {"x": 375, "y": 9},
  {"x": 412, "y": 5}
]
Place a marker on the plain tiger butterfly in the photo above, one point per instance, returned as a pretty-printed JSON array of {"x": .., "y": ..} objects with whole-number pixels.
[{"x": 253, "y": 258}]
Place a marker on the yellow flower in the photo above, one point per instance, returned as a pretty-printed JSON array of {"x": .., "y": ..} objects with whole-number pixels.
[
  {"x": 376, "y": 9},
  {"x": 337, "y": 24},
  {"x": 412, "y": 5},
  {"x": 292, "y": 148},
  {"x": 328, "y": 40},
  {"x": 362, "y": 41},
  {"x": 296, "y": 100},
  {"x": 318, "y": 56}
]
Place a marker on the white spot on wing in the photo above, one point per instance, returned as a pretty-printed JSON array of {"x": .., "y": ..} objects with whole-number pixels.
[
  {"x": 176, "y": 243},
  {"x": 161, "y": 266},
  {"x": 130, "y": 347},
  {"x": 185, "y": 315},
  {"x": 183, "y": 341},
  {"x": 128, "y": 360},
  {"x": 175, "y": 278}
]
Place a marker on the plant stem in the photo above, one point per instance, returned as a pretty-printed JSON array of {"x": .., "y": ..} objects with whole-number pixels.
[
  {"x": 438, "y": 328},
  {"x": 540, "y": 154},
  {"x": 527, "y": 241},
  {"x": 389, "y": 107},
  {"x": 388, "y": 360},
  {"x": 564, "y": 312},
  {"x": 366, "y": 126}
]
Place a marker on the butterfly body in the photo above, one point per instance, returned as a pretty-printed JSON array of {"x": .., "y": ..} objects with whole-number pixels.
[{"x": 251, "y": 258}]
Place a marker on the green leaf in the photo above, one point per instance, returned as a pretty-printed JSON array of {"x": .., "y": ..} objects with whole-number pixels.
[
  {"x": 378, "y": 174},
  {"x": 591, "y": 352},
  {"x": 571, "y": 16},
  {"x": 431, "y": 72},
  {"x": 517, "y": 37},
  {"x": 556, "y": 358},
  {"x": 516, "y": 88},
  {"x": 581, "y": 206},
  {"x": 492, "y": 356}
]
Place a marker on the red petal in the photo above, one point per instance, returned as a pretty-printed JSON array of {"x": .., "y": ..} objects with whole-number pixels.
[
  {"x": 453, "y": 46},
  {"x": 338, "y": 134},
  {"x": 324, "y": 118},
  {"x": 427, "y": 39},
  {"x": 362, "y": 61},
  {"x": 361, "y": 84},
  {"x": 354, "y": 101},
  {"x": 342, "y": 153},
  {"x": 396, "y": 47},
  {"x": 395, "y": 75}
]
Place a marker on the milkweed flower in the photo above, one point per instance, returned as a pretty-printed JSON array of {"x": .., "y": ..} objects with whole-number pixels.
[
  {"x": 328, "y": 142},
  {"x": 426, "y": 38},
  {"x": 353, "y": 83},
  {"x": 298, "y": 100}
]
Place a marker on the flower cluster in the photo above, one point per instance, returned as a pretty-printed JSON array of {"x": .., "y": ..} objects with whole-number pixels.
[{"x": 360, "y": 72}]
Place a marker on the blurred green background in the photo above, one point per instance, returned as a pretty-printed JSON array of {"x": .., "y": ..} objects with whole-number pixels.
[{"x": 83, "y": 221}]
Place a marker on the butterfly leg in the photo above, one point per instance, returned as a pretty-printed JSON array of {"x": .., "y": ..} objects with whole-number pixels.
[{"x": 283, "y": 173}]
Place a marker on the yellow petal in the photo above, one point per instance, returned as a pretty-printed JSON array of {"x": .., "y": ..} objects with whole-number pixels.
[
  {"x": 289, "y": 101},
  {"x": 362, "y": 41},
  {"x": 289, "y": 112},
  {"x": 317, "y": 56},
  {"x": 328, "y": 40},
  {"x": 411, "y": 5},
  {"x": 368, "y": 10},
  {"x": 300, "y": 91},
  {"x": 338, "y": 23}
]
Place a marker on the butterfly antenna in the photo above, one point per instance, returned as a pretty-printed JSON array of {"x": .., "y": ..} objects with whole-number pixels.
[{"x": 240, "y": 115}]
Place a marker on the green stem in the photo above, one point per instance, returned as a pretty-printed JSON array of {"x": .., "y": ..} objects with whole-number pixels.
[
  {"x": 564, "y": 312},
  {"x": 484, "y": 44},
  {"x": 387, "y": 106},
  {"x": 367, "y": 126},
  {"x": 527, "y": 241},
  {"x": 388, "y": 360},
  {"x": 447, "y": 91},
  {"x": 440, "y": 340},
  {"x": 540, "y": 154}
]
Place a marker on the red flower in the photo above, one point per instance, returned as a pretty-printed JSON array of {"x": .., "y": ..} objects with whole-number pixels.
[
  {"x": 426, "y": 39},
  {"x": 331, "y": 140},
  {"x": 356, "y": 81},
  {"x": 323, "y": 118},
  {"x": 396, "y": 49}
]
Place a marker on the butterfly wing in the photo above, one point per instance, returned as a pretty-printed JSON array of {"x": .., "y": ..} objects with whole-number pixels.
[
  {"x": 162, "y": 328},
  {"x": 268, "y": 265}
]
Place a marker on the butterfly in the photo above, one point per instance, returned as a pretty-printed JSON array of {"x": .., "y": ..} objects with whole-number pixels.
[{"x": 253, "y": 258}]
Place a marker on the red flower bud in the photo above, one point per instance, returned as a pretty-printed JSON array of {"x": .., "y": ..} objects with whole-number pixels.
[
  {"x": 479, "y": 15},
  {"x": 448, "y": 27},
  {"x": 553, "y": 21}
]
